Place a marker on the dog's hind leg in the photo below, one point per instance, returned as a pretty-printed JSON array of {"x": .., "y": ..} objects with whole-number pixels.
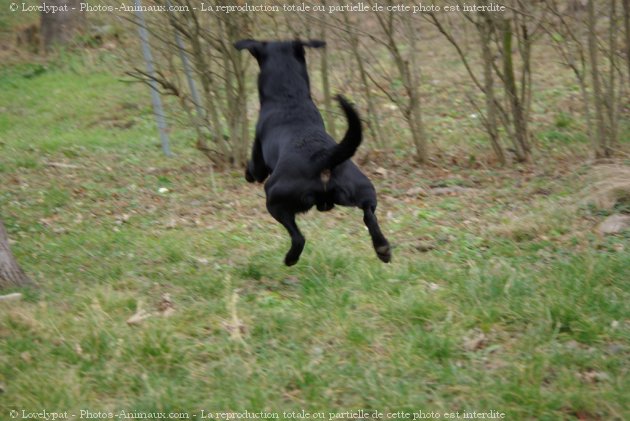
[
  {"x": 287, "y": 219},
  {"x": 381, "y": 246}
]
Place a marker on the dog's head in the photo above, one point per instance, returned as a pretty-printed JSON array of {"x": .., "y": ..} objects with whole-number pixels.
[
  {"x": 280, "y": 61},
  {"x": 264, "y": 50}
]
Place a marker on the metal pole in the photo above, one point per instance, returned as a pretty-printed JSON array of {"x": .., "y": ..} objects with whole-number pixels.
[
  {"x": 188, "y": 71},
  {"x": 158, "y": 111}
]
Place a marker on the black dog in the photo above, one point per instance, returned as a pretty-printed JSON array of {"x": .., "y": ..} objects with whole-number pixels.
[{"x": 306, "y": 166}]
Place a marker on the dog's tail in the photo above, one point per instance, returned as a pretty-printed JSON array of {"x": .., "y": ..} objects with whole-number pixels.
[{"x": 350, "y": 142}]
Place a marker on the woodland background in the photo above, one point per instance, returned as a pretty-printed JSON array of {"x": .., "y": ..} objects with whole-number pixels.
[{"x": 498, "y": 143}]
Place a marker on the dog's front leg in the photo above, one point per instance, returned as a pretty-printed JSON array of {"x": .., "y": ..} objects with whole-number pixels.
[
  {"x": 287, "y": 219},
  {"x": 381, "y": 246},
  {"x": 256, "y": 169}
]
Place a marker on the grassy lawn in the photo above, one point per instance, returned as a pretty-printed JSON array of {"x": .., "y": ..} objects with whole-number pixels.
[{"x": 500, "y": 296}]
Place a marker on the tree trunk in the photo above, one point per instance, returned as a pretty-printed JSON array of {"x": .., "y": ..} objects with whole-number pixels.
[
  {"x": 330, "y": 118},
  {"x": 520, "y": 141},
  {"x": 626, "y": 24},
  {"x": 10, "y": 272},
  {"x": 491, "y": 108},
  {"x": 611, "y": 97},
  {"x": 373, "y": 117},
  {"x": 601, "y": 149},
  {"x": 62, "y": 26},
  {"x": 204, "y": 70},
  {"x": 410, "y": 70}
]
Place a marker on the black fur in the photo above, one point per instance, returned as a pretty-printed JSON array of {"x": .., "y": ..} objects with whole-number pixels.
[{"x": 304, "y": 165}]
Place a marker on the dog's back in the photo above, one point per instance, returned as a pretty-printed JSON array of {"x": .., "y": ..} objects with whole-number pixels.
[{"x": 289, "y": 122}]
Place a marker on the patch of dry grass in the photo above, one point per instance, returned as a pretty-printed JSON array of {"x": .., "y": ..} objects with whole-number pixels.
[{"x": 609, "y": 188}]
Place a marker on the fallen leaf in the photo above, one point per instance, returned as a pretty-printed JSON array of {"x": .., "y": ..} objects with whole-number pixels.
[
  {"x": 432, "y": 286},
  {"x": 475, "y": 342},
  {"x": 166, "y": 302},
  {"x": 166, "y": 306},
  {"x": 594, "y": 376},
  {"x": 425, "y": 246},
  {"x": 121, "y": 219},
  {"x": 16, "y": 296},
  {"x": 201, "y": 260},
  {"x": 448, "y": 191},
  {"x": 416, "y": 191},
  {"x": 291, "y": 280},
  {"x": 140, "y": 316}
]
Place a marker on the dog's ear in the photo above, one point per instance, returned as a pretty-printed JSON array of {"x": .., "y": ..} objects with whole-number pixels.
[
  {"x": 245, "y": 44},
  {"x": 298, "y": 47},
  {"x": 314, "y": 43},
  {"x": 251, "y": 45}
]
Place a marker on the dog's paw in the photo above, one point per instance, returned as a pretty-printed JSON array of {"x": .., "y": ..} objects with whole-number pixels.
[
  {"x": 293, "y": 255},
  {"x": 384, "y": 253},
  {"x": 290, "y": 260},
  {"x": 248, "y": 176}
]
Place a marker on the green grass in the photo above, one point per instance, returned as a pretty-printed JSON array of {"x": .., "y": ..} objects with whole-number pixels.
[{"x": 547, "y": 300}]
